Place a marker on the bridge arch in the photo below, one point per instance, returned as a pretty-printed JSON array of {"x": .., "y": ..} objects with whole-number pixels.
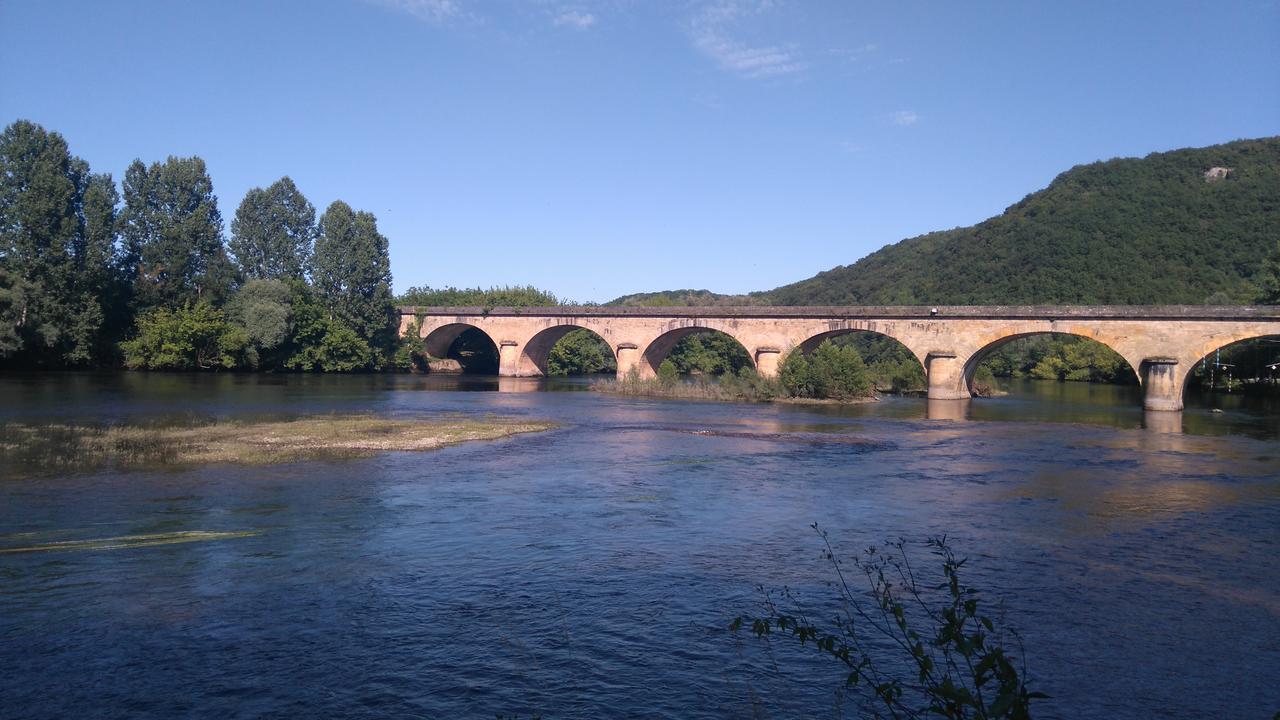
[
  {"x": 660, "y": 347},
  {"x": 812, "y": 342},
  {"x": 1263, "y": 356},
  {"x": 978, "y": 356},
  {"x": 537, "y": 350},
  {"x": 440, "y": 341},
  {"x": 885, "y": 355}
]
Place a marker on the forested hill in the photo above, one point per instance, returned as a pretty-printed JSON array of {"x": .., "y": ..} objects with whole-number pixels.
[{"x": 1130, "y": 231}]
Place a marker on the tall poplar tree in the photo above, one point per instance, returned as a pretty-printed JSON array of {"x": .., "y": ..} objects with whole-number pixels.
[
  {"x": 273, "y": 231},
  {"x": 57, "y": 247},
  {"x": 351, "y": 271},
  {"x": 172, "y": 233}
]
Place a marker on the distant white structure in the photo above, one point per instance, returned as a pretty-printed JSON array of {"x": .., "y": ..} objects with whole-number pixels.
[{"x": 1217, "y": 173}]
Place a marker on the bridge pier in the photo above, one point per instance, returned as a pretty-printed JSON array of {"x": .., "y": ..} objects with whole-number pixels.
[
  {"x": 629, "y": 361},
  {"x": 767, "y": 359},
  {"x": 944, "y": 372},
  {"x": 1161, "y": 384},
  {"x": 508, "y": 359}
]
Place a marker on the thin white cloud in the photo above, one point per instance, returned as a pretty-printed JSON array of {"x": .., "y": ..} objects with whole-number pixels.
[
  {"x": 905, "y": 117},
  {"x": 853, "y": 54},
  {"x": 434, "y": 11},
  {"x": 710, "y": 31},
  {"x": 575, "y": 19}
]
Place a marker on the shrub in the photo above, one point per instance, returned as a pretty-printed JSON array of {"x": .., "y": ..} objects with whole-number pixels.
[
  {"x": 411, "y": 350},
  {"x": 914, "y": 643},
  {"x": 580, "y": 352},
  {"x": 668, "y": 375},
  {"x": 193, "y": 337},
  {"x": 830, "y": 372},
  {"x": 263, "y": 309},
  {"x": 984, "y": 382}
]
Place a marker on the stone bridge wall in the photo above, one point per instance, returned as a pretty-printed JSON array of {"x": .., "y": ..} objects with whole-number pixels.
[{"x": 1161, "y": 343}]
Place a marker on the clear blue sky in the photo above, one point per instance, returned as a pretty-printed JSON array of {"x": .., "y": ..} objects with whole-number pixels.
[{"x": 602, "y": 148}]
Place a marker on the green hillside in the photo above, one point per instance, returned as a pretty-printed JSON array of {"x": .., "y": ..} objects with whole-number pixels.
[{"x": 1127, "y": 232}]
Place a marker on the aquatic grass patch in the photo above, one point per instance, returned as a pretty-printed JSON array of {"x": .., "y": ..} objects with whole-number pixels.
[
  {"x": 130, "y": 541},
  {"x": 59, "y": 447},
  {"x": 745, "y": 386}
]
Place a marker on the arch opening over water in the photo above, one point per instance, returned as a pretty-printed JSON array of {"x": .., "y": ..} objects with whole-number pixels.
[
  {"x": 567, "y": 350},
  {"x": 1055, "y": 356},
  {"x": 698, "y": 350},
  {"x": 475, "y": 352},
  {"x": 1240, "y": 374},
  {"x": 891, "y": 365}
]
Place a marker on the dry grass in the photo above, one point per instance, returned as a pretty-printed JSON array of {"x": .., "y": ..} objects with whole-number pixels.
[{"x": 54, "y": 447}]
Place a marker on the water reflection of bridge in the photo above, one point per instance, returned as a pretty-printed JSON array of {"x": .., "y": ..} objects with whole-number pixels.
[{"x": 1160, "y": 343}]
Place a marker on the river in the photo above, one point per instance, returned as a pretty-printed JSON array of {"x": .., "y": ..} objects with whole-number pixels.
[{"x": 593, "y": 570}]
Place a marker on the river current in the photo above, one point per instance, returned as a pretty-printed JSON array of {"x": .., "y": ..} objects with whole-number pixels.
[{"x": 593, "y": 570}]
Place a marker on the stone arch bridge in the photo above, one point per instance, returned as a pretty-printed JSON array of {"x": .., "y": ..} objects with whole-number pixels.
[{"x": 1161, "y": 343}]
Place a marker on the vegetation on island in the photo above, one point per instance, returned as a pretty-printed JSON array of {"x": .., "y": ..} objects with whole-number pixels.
[
  {"x": 58, "y": 447},
  {"x": 830, "y": 372}
]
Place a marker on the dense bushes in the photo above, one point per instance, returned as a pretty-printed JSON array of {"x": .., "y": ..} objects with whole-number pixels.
[
  {"x": 831, "y": 371},
  {"x": 193, "y": 337},
  {"x": 581, "y": 352}
]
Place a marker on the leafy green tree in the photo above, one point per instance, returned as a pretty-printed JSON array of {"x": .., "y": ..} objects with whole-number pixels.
[
  {"x": 580, "y": 352},
  {"x": 830, "y": 372},
  {"x": 668, "y": 374},
  {"x": 1269, "y": 277},
  {"x": 322, "y": 343},
  {"x": 13, "y": 307},
  {"x": 273, "y": 232},
  {"x": 411, "y": 350},
  {"x": 351, "y": 271},
  {"x": 709, "y": 353},
  {"x": 193, "y": 337},
  {"x": 498, "y": 296},
  {"x": 57, "y": 233},
  {"x": 263, "y": 309},
  {"x": 172, "y": 233}
]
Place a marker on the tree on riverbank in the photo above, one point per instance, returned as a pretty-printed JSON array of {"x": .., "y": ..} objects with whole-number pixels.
[
  {"x": 57, "y": 252},
  {"x": 172, "y": 230},
  {"x": 351, "y": 272},
  {"x": 85, "y": 281},
  {"x": 273, "y": 232}
]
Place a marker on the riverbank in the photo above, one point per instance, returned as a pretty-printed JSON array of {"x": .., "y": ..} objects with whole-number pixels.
[{"x": 64, "y": 446}]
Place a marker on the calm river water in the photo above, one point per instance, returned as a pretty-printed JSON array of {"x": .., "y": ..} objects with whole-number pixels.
[{"x": 592, "y": 571}]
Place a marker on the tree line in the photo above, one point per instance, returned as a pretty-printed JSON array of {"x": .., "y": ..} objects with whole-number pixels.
[{"x": 93, "y": 275}]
